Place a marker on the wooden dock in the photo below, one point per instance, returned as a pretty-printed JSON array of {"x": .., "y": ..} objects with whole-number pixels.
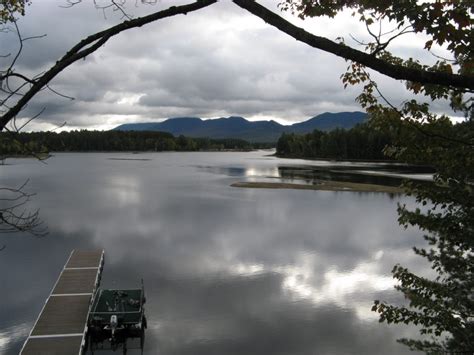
[{"x": 62, "y": 324}]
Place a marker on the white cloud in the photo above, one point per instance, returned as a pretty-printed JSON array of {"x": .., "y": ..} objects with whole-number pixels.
[{"x": 214, "y": 62}]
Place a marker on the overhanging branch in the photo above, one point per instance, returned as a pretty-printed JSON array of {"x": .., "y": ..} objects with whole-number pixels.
[
  {"x": 90, "y": 45},
  {"x": 394, "y": 71}
]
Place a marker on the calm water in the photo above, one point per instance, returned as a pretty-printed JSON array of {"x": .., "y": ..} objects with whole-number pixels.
[{"x": 226, "y": 270}]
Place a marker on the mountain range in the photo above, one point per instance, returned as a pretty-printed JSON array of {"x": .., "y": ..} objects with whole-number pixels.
[{"x": 239, "y": 127}]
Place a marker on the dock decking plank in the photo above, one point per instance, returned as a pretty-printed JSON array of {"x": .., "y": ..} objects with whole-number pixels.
[
  {"x": 76, "y": 281},
  {"x": 85, "y": 258},
  {"x": 63, "y": 315},
  {"x": 62, "y": 324},
  {"x": 53, "y": 346}
]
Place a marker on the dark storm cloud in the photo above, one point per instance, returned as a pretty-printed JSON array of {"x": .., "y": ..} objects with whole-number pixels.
[{"x": 215, "y": 62}]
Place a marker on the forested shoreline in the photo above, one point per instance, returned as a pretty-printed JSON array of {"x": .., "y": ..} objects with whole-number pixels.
[
  {"x": 362, "y": 142},
  {"x": 93, "y": 141},
  {"x": 359, "y": 143}
]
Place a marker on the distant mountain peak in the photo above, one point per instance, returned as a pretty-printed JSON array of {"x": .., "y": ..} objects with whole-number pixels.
[
  {"x": 184, "y": 118},
  {"x": 235, "y": 118},
  {"x": 239, "y": 127}
]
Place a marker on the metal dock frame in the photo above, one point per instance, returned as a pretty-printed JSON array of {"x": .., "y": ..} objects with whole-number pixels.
[{"x": 61, "y": 327}]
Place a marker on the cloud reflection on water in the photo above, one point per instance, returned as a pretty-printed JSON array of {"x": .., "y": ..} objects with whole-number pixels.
[{"x": 227, "y": 271}]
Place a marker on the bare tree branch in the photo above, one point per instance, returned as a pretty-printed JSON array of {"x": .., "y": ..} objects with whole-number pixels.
[
  {"x": 13, "y": 215},
  {"x": 59, "y": 94},
  {"x": 21, "y": 76},
  {"x": 40, "y": 156},
  {"x": 90, "y": 45}
]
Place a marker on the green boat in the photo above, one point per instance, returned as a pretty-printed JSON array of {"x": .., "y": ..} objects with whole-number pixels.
[{"x": 115, "y": 317}]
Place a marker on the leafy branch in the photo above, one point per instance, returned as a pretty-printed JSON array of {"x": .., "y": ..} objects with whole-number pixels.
[{"x": 395, "y": 71}]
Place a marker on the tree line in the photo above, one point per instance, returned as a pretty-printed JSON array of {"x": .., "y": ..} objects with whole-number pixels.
[
  {"x": 361, "y": 142},
  {"x": 87, "y": 141}
]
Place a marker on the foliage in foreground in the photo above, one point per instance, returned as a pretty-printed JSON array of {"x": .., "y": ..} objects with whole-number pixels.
[{"x": 443, "y": 306}]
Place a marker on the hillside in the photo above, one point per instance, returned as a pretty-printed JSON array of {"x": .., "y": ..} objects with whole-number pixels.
[{"x": 239, "y": 127}]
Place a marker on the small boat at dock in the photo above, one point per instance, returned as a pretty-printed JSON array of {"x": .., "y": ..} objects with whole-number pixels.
[{"x": 115, "y": 317}]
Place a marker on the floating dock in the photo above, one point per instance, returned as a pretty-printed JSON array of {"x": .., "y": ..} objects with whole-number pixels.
[{"x": 61, "y": 327}]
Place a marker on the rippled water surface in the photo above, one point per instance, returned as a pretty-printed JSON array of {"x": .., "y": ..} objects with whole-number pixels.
[{"x": 226, "y": 270}]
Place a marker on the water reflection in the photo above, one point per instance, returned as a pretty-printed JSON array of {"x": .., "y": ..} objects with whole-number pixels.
[
  {"x": 226, "y": 270},
  {"x": 368, "y": 173},
  {"x": 9, "y": 335},
  {"x": 122, "y": 189}
]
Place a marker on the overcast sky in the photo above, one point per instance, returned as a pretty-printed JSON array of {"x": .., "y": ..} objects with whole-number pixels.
[{"x": 215, "y": 62}]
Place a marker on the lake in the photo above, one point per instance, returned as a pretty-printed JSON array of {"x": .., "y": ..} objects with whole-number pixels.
[{"x": 226, "y": 270}]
